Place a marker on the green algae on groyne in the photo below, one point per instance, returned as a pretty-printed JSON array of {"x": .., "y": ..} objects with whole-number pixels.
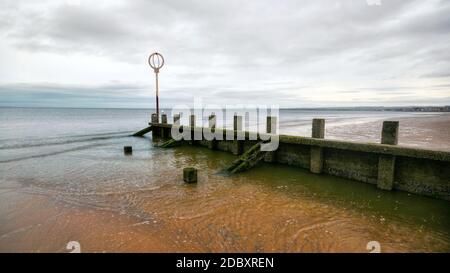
[{"x": 387, "y": 165}]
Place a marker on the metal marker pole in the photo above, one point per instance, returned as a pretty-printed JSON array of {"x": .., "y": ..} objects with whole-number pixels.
[
  {"x": 157, "y": 95},
  {"x": 156, "y": 65}
]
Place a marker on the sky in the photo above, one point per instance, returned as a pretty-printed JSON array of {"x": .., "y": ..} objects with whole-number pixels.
[{"x": 309, "y": 53}]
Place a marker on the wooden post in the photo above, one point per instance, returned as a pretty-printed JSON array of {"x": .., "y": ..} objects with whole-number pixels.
[
  {"x": 176, "y": 119},
  {"x": 155, "y": 130},
  {"x": 212, "y": 121},
  {"x": 164, "y": 118},
  {"x": 237, "y": 123},
  {"x": 192, "y": 125},
  {"x": 237, "y": 127},
  {"x": 154, "y": 118},
  {"x": 386, "y": 163},
  {"x": 163, "y": 129},
  {"x": 192, "y": 120},
  {"x": 318, "y": 128},
  {"x": 128, "y": 150},
  {"x": 212, "y": 144},
  {"x": 176, "y": 124},
  {"x": 389, "y": 133},
  {"x": 316, "y": 160},
  {"x": 271, "y": 128},
  {"x": 190, "y": 175}
]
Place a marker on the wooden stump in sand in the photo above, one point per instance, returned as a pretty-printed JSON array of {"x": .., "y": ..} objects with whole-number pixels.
[
  {"x": 128, "y": 150},
  {"x": 190, "y": 175}
]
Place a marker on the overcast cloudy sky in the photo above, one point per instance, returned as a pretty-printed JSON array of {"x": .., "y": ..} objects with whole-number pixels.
[{"x": 292, "y": 53}]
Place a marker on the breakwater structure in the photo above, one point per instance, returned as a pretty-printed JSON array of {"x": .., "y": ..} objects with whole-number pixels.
[{"x": 386, "y": 165}]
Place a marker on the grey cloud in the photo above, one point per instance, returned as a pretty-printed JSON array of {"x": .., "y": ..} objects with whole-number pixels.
[
  {"x": 244, "y": 34},
  {"x": 245, "y": 51},
  {"x": 437, "y": 74}
]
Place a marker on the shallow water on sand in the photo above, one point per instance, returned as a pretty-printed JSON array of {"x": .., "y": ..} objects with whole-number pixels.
[{"x": 78, "y": 186}]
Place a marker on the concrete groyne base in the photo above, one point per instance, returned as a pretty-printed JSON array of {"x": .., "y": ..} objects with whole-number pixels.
[{"x": 388, "y": 166}]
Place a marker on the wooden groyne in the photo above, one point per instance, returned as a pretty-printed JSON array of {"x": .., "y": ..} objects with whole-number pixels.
[{"x": 386, "y": 165}]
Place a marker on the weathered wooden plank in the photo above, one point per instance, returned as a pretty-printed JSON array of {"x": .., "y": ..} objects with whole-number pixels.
[
  {"x": 143, "y": 131},
  {"x": 248, "y": 160}
]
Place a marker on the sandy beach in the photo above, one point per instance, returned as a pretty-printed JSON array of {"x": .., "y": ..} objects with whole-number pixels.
[{"x": 431, "y": 131}]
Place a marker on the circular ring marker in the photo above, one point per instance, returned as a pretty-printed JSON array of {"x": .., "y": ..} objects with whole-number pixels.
[{"x": 156, "y": 61}]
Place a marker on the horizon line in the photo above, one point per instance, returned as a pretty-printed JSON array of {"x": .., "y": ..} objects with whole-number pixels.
[{"x": 281, "y": 108}]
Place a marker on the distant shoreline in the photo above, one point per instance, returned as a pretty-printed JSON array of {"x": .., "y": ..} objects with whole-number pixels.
[
  {"x": 380, "y": 108},
  {"x": 428, "y": 109}
]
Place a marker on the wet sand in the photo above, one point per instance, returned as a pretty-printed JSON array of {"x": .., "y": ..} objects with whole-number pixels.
[{"x": 427, "y": 132}]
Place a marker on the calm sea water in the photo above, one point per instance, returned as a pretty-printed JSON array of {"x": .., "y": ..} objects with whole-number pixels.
[{"x": 63, "y": 177}]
